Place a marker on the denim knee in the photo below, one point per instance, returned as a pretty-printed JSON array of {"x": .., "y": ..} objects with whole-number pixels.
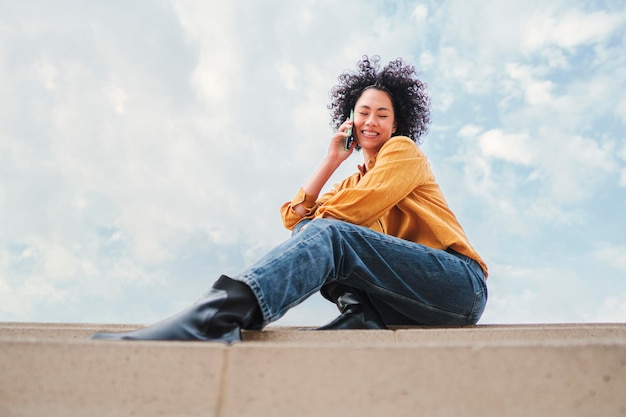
[
  {"x": 306, "y": 224},
  {"x": 300, "y": 226},
  {"x": 321, "y": 224}
]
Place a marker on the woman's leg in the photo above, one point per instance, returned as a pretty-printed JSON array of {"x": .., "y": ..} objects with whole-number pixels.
[
  {"x": 428, "y": 286},
  {"x": 356, "y": 310},
  {"x": 217, "y": 316}
]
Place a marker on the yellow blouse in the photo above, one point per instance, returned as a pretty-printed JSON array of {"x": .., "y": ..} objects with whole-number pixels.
[{"x": 395, "y": 193}]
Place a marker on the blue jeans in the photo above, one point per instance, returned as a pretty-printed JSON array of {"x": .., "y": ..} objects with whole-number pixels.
[{"x": 408, "y": 283}]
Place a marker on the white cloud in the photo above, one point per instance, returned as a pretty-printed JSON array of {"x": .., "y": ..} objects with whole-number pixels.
[
  {"x": 512, "y": 147},
  {"x": 548, "y": 211},
  {"x": 538, "y": 93},
  {"x": 420, "y": 13},
  {"x": 527, "y": 294},
  {"x": 556, "y": 58},
  {"x": 611, "y": 255},
  {"x": 571, "y": 28},
  {"x": 470, "y": 131},
  {"x": 12, "y": 305},
  {"x": 555, "y": 115},
  {"x": 622, "y": 153},
  {"x": 426, "y": 60},
  {"x": 575, "y": 165},
  {"x": 118, "y": 98},
  {"x": 620, "y": 110},
  {"x": 288, "y": 73},
  {"x": 48, "y": 74},
  {"x": 612, "y": 309},
  {"x": 212, "y": 28},
  {"x": 528, "y": 80}
]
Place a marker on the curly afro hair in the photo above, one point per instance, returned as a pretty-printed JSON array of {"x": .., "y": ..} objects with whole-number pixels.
[{"x": 410, "y": 100}]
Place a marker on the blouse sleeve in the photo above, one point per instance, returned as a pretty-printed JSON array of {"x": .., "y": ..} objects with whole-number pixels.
[
  {"x": 289, "y": 215},
  {"x": 399, "y": 168}
]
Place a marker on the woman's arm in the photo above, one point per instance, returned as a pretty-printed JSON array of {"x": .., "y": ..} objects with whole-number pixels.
[
  {"x": 334, "y": 158},
  {"x": 314, "y": 185}
]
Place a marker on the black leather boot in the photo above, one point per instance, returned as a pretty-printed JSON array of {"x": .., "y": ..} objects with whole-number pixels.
[
  {"x": 356, "y": 310},
  {"x": 219, "y": 315}
]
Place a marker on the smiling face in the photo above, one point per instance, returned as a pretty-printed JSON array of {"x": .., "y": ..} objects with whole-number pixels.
[{"x": 374, "y": 121}]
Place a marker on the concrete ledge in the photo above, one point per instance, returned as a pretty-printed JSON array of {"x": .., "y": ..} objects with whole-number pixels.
[
  {"x": 412, "y": 335},
  {"x": 531, "y": 370},
  {"x": 58, "y": 331},
  {"x": 78, "y": 379},
  {"x": 512, "y": 334},
  {"x": 557, "y": 380},
  {"x": 92, "y": 378}
]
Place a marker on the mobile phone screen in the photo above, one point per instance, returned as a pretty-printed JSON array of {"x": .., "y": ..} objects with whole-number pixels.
[{"x": 349, "y": 139}]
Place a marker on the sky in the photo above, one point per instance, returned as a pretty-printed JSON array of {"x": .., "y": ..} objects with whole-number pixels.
[{"x": 146, "y": 146}]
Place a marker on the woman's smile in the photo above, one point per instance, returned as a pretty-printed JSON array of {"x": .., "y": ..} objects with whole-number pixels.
[{"x": 374, "y": 121}]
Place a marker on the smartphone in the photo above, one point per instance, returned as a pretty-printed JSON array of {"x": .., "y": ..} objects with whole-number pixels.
[{"x": 350, "y": 139}]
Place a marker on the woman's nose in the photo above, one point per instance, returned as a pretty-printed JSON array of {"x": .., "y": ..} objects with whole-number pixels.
[{"x": 370, "y": 121}]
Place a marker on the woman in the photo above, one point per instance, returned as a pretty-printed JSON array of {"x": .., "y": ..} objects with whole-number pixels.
[{"x": 383, "y": 244}]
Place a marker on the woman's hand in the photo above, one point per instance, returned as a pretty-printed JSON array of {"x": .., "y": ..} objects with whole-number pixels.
[
  {"x": 335, "y": 157},
  {"x": 336, "y": 150}
]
